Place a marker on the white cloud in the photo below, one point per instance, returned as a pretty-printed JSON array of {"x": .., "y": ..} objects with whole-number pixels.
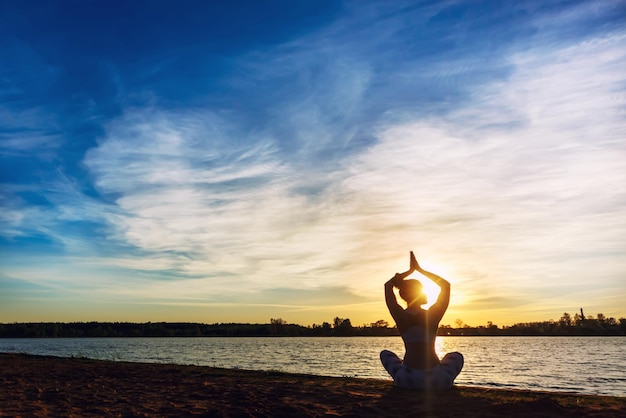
[
  {"x": 335, "y": 154},
  {"x": 230, "y": 208},
  {"x": 536, "y": 196},
  {"x": 522, "y": 187}
]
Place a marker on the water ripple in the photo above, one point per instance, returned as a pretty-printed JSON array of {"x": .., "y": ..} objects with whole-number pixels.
[{"x": 592, "y": 365}]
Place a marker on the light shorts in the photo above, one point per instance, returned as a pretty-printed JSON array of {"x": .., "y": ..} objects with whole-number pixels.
[{"x": 439, "y": 377}]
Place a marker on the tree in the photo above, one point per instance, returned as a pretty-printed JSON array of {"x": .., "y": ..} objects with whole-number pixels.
[
  {"x": 578, "y": 319},
  {"x": 277, "y": 325},
  {"x": 381, "y": 323},
  {"x": 337, "y": 322},
  {"x": 342, "y": 326}
]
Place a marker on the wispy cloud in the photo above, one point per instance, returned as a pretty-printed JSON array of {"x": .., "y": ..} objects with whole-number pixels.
[
  {"x": 321, "y": 161},
  {"x": 505, "y": 182}
]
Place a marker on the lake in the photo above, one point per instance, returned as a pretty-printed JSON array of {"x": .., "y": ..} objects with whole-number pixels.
[{"x": 590, "y": 365}]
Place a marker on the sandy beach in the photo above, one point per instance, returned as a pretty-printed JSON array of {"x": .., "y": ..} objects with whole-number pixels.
[{"x": 38, "y": 386}]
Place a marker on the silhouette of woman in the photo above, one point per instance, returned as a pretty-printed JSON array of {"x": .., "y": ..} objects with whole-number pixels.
[{"x": 421, "y": 368}]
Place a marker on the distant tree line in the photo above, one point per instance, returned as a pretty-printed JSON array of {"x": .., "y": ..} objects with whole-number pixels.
[
  {"x": 277, "y": 327},
  {"x": 340, "y": 327},
  {"x": 579, "y": 324}
]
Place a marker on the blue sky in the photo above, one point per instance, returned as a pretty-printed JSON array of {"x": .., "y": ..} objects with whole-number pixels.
[{"x": 241, "y": 161}]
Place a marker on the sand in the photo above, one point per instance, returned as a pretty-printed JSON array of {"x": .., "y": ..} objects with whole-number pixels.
[{"x": 38, "y": 386}]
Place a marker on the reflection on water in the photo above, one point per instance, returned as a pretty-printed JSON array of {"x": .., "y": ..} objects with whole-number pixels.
[{"x": 591, "y": 365}]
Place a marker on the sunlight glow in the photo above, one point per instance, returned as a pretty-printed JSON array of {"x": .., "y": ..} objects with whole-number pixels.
[{"x": 429, "y": 288}]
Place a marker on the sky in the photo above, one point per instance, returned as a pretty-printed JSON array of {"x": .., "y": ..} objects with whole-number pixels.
[{"x": 239, "y": 161}]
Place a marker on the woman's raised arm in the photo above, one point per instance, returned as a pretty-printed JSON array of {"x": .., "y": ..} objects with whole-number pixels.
[
  {"x": 390, "y": 298},
  {"x": 444, "y": 295}
]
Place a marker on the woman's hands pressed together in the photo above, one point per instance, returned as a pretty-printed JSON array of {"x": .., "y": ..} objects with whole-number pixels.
[
  {"x": 414, "y": 265},
  {"x": 397, "y": 279}
]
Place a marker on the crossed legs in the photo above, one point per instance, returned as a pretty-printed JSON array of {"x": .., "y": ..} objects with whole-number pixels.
[{"x": 439, "y": 377}]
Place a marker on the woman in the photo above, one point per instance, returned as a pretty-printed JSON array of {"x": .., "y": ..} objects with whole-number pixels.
[{"x": 421, "y": 368}]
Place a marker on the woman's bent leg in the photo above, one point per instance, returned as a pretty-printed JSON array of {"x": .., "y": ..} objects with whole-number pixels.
[
  {"x": 403, "y": 376},
  {"x": 453, "y": 362},
  {"x": 391, "y": 362},
  {"x": 448, "y": 370}
]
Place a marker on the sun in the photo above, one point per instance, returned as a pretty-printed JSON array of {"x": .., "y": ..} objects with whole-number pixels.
[{"x": 429, "y": 288}]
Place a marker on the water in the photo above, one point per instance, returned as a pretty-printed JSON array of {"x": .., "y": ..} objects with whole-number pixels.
[{"x": 590, "y": 365}]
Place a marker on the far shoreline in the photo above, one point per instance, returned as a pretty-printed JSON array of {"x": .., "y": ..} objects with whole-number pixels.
[
  {"x": 280, "y": 328},
  {"x": 311, "y": 336}
]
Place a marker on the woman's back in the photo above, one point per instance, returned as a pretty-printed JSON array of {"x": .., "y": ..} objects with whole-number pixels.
[{"x": 419, "y": 331}]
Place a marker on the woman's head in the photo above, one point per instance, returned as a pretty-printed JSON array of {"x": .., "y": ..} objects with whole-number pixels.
[{"x": 411, "y": 292}]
